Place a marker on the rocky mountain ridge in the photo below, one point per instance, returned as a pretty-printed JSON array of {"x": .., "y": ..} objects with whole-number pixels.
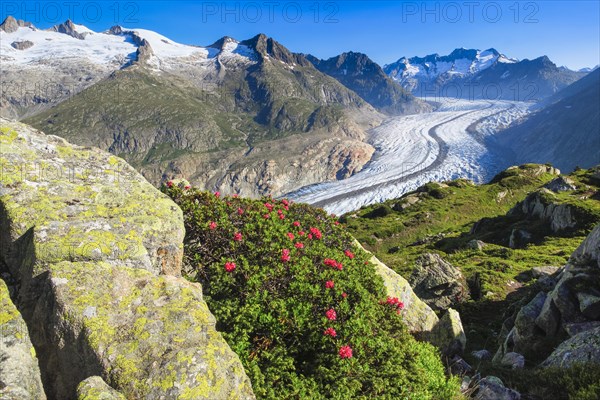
[
  {"x": 470, "y": 73},
  {"x": 359, "y": 73}
]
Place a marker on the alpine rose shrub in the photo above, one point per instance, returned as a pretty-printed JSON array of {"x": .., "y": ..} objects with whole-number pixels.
[{"x": 304, "y": 325}]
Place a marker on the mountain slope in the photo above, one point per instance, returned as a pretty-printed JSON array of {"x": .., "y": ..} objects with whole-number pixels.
[
  {"x": 470, "y": 73},
  {"x": 359, "y": 73},
  {"x": 565, "y": 133},
  {"x": 247, "y": 117}
]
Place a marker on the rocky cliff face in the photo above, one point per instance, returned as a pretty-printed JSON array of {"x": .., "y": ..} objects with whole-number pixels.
[
  {"x": 438, "y": 283},
  {"x": 542, "y": 205},
  {"x": 561, "y": 323},
  {"x": 93, "y": 253}
]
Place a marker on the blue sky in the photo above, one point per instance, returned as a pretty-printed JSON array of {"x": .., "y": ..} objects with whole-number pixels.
[{"x": 567, "y": 31}]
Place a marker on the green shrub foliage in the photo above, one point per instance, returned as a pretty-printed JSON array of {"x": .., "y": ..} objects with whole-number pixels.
[{"x": 302, "y": 307}]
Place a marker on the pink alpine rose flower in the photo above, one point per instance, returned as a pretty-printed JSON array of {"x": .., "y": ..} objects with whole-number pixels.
[
  {"x": 345, "y": 352},
  {"x": 330, "y": 332},
  {"x": 316, "y": 233},
  {"x": 285, "y": 255},
  {"x": 331, "y": 314},
  {"x": 229, "y": 266}
]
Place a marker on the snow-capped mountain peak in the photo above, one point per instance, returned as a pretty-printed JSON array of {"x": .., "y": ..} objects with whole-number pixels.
[
  {"x": 72, "y": 29},
  {"x": 23, "y": 44},
  {"x": 460, "y": 62}
]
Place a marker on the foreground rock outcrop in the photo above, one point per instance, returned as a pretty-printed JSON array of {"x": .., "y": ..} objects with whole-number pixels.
[
  {"x": 437, "y": 282},
  {"x": 19, "y": 372},
  {"x": 419, "y": 317},
  {"x": 542, "y": 205},
  {"x": 446, "y": 333},
  {"x": 565, "y": 320},
  {"x": 96, "y": 251}
]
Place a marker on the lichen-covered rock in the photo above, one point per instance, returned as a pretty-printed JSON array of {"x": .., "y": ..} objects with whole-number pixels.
[
  {"x": 525, "y": 335},
  {"x": 589, "y": 250},
  {"x": 419, "y": 317},
  {"x": 84, "y": 204},
  {"x": 458, "y": 366},
  {"x": 518, "y": 238},
  {"x": 96, "y": 251},
  {"x": 548, "y": 319},
  {"x": 20, "y": 377},
  {"x": 475, "y": 245},
  {"x": 481, "y": 354},
  {"x": 581, "y": 348},
  {"x": 525, "y": 321},
  {"x": 94, "y": 388},
  {"x": 437, "y": 282},
  {"x": 589, "y": 303},
  {"x": 449, "y": 335},
  {"x": 152, "y": 337},
  {"x": 576, "y": 328}
]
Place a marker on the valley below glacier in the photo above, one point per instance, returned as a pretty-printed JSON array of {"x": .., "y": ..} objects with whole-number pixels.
[{"x": 454, "y": 141}]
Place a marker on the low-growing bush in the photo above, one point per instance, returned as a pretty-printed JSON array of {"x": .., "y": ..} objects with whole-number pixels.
[
  {"x": 301, "y": 306},
  {"x": 380, "y": 211}
]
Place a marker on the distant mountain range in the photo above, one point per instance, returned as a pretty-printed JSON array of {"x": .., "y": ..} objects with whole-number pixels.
[
  {"x": 248, "y": 116},
  {"x": 489, "y": 74}
]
